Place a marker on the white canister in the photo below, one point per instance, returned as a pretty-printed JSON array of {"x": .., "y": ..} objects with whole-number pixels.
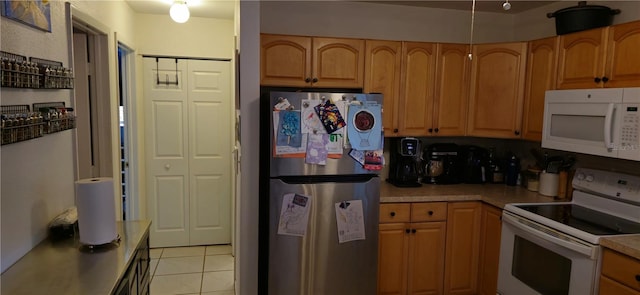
[{"x": 548, "y": 184}]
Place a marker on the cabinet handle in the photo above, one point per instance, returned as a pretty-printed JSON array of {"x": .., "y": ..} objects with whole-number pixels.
[
  {"x": 314, "y": 80},
  {"x": 392, "y": 214},
  {"x": 437, "y": 130},
  {"x": 638, "y": 278},
  {"x": 516, "y": 132},
  {"x": 407, "y": 230},
  {"x": 597, "y": 79},
  {"x": 430, "y": 213},
  {"x": 395, "y": 130},
  {"x": 413, "y": 231},
  {"x": 605, "y": 79},
  {"x": 430, "y": 130},
  {"x": 307, "y": 80}
]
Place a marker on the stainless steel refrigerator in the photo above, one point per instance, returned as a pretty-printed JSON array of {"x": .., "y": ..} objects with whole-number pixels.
[{"x": 315, "y": 262}]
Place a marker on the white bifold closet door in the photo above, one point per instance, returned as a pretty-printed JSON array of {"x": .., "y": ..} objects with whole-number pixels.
[{"x": 188, "y": 151}]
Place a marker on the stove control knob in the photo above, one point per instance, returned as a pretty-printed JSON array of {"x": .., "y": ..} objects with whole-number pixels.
[
  {"x": 589, "y": 178},
  {"x": 580, "y": 176}
]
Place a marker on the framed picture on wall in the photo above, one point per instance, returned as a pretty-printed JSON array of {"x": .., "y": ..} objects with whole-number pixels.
[{"x": 36, "y": 13}]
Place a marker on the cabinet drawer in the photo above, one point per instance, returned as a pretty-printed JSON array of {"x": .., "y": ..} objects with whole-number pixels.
[
  {"x": 395, "y": 212},
  {"x": 611, "y": 287},
  {"x": 435, "y": 211},
  {"x": 621, "y": 268}
]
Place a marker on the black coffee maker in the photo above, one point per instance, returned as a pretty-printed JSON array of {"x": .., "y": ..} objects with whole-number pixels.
[
  {"x": 475, "y": 162},
  {"x": 405, "y": 162},
  {"x": 441, "y": 164}
]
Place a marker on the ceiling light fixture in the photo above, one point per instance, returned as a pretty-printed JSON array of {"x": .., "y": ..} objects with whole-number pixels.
[
  {"x": 179, "y": 11},
  {"x": 506, "y": 5}
]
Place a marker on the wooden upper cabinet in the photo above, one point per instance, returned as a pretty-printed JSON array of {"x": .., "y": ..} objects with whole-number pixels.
[
  {"x": 623, "y": 55},
  {"x": 415, "y": 106},
  {"x": 285, "y": 60},
  {"x": 383, "y": 60},
  {"x": 541, "y": 76},
  {"x": 298, "y": 61},
  {"x": 451, "y": 90},
  {"x": 338, "y": 62},
  {"x": 581, "y": 59},
  {"x": 497, "y": 90}
]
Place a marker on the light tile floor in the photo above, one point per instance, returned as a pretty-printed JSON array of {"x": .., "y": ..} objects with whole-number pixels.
[{"x": 204, "y": 270}]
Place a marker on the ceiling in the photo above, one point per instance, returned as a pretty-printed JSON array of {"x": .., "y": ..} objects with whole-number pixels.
[{"x": 224, "y": 9}]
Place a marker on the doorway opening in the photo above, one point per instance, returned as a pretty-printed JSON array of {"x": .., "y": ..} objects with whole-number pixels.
[{"x": 129, "y": 204}]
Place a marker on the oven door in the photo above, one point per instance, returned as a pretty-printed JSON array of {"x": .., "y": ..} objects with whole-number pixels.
[{"x": 535, "y": 259}]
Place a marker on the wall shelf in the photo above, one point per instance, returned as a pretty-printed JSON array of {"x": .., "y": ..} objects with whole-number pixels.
[{"x": 19, "y": 123}]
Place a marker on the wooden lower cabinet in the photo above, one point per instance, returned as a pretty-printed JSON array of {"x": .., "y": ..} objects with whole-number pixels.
[
  {"x": 463, "y": 239},
  {"x": 619, "y": 275},
  {"x": 436, "y": 252},
  {"x": 490, "y": 231},
  {"x": 411, "y": 254}
]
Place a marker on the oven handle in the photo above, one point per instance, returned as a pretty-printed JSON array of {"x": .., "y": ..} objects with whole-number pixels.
[
  {"x": 608, "y": 121},
  {"x": 550, "y": 235}
]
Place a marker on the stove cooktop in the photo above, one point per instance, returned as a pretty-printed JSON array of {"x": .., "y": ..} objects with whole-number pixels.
[{"x": 584, "y": 219}]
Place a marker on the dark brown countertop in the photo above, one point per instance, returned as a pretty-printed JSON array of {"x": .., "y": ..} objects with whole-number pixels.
[{"x": 59, "y": 267}]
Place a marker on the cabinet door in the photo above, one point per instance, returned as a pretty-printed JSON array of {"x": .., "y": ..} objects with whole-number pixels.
[
  {"x": 451, "y": 90},
  {"x": 463, "y": 238},
  {"x": 497, "y": 90},
  {"x": 338, "y": 62},
  {"x": 490, "y": 230},
  {"x": 581, "y": 59},
  {"x": 426, "y": 257},
  {"x": 415, "y": 107},
  {"x": 383, "y": 60},
  {"x": 285, "y": 60},
  {"x": 541, "y": 76},
  {"x": 393, "y": 242},
  {"x": 623, "y": 55}
]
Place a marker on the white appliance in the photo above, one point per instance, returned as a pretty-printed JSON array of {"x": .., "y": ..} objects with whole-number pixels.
[
  {"x": 554, "y": 248},
  {"x": 602, "y": 122}
]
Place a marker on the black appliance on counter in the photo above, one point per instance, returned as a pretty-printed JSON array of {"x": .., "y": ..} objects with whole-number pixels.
[
  {"x": 404, "y": 166},
  {"x": 441, "y": 164},
  {"x": 475, "y": 164}
]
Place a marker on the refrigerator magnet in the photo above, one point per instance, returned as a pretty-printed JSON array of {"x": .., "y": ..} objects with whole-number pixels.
[{"x": 288, "y": 133}]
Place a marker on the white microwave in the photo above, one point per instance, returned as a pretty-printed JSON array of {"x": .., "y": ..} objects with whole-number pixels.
[{"x": 603, "y": 122}]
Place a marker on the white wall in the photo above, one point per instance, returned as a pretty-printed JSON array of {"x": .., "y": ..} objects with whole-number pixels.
[
  {"x": 198, "y": 37},
  {"x": 37, "y": 175},
  {"x": 381, "y": 21},
  {"x": 534, "y": 24}
]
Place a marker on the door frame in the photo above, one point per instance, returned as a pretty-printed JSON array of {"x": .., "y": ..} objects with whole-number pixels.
[
  {"x": 126, "y": 76},
  {"x": 107, "y": 97}
]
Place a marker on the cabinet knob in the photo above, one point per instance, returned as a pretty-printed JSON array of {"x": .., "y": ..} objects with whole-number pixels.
[
  {"x": 516, "y": 132},
  {"x": 307, "y": 80},
  {"x": 167, "y": 167},
  {"x": 638, "y": 278},
  {"x": 395, "y": 130},
  {"x": 430, "y": 213},
  {"x": 413, "y": 231},
  {"x": 437, "y": 130},
  {"x": 430, "y": 130},
  {"x": 314, "y": 80},
  {"x": 605, "y": 79},
  {"x": 407, "y": 230},
  {"x": 597, "y": 79},
  {"x": 392, "y": 214}
]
